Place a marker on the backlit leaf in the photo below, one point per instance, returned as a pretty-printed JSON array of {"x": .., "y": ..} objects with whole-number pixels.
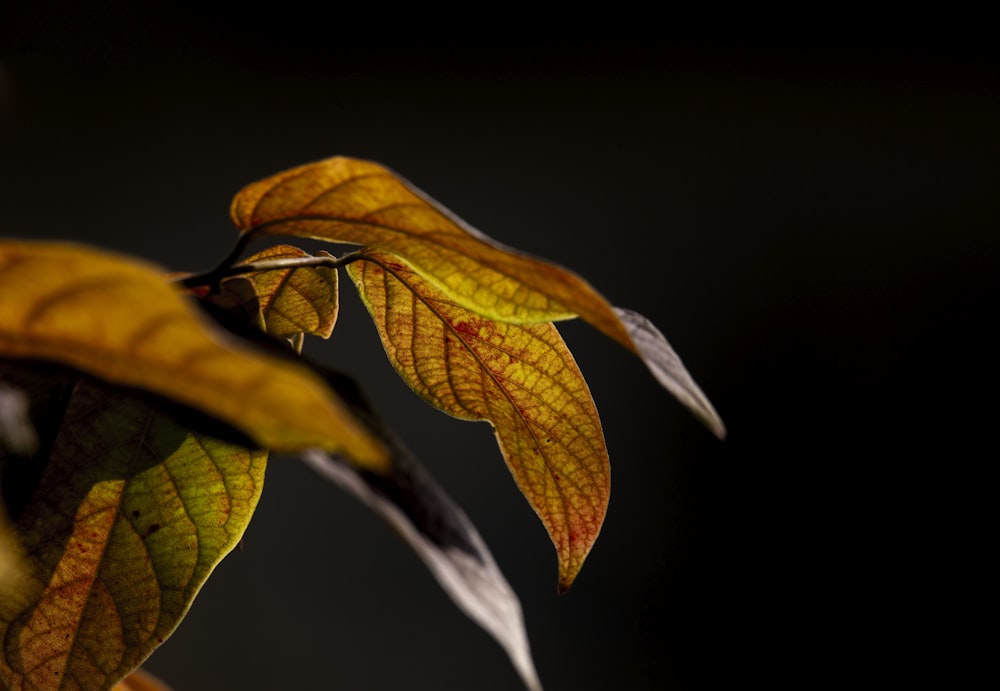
[
  {"x": 520, "y": 378},
  {"x": 120, "y": 320},
  {"x": 294, "y": 301},
  {"x": 347, "y": 200},
  {"x": 125, "y": 514}
]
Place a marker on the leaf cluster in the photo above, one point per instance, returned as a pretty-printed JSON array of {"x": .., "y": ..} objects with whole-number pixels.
[{"x": 138, "y": 408}]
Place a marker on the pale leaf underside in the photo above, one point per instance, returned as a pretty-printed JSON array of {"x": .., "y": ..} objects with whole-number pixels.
[{"x": 445, "y": 540}]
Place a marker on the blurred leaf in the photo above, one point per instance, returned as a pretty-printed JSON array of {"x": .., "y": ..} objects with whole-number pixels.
[
  {"x": 294, "y": 301},
  {"x": 347, "y": 200},
  {"x": 17, "y": 436},
  {"x": 123, "y": 515},
  {"x": 520, "y": 378},
  {"x": 141, "y": 680},
  {"x": 120, "y": 320},
  {"x": 12, "y": 567}
]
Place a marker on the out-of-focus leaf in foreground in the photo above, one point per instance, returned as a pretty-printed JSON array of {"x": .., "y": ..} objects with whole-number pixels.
[
  {"x": 17, "y": 436},
  {"x": 299, "y": 300},
  {"x": 120, "y": 319},
  {"x": 123, "y": 514},
  {"x": 141, "y": 680},
  {"x": 520, "y": 378},
  {"x": 347, "y": 200}
]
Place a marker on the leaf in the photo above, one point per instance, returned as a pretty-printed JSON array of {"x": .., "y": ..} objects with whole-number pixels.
[
  {"x": 12, "y": 568},
  {"x": 346, "y": 200},
  {"x": 520, "y": 378},
  {"x": 120, "y": 320},
  {"x": 294, "y": 301},
  {"x": 141, "y": 680},
  {"x": 125, "y": 514},
  {"x": 447, "y": 542}
]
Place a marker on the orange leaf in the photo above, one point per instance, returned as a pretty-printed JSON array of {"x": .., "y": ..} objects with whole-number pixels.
[
  {"x": 346, "y": 200},
  {"x": 119, "y": 319},
  {"x": 520, "y": 378}
]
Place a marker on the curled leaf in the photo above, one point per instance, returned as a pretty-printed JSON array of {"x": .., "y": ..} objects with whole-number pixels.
[
  {"x": 520, "y": 378},
  {"x": 120, "y": 320},
  {"x": 125, "y": 514},
  {"x": 667, "y": 368},
  {"x": 298, "y": 300},
  {"x": 346, "y": 200}
]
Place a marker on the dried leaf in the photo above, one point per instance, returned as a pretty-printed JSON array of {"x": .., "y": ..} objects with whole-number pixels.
[
  {"x": 520, "y": 378},
  {"x": 347, "y": 200},
  {"x": 294, "y": 301},
  {"x": 125, "y": 515},
  {"x": 120, "y": 320}
]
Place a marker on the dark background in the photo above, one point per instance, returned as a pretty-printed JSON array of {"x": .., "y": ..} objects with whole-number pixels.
[{"x": 811, "y": 219}]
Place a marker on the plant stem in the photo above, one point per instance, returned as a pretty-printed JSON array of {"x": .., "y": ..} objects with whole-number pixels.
[{"x": 214, "y": 277}]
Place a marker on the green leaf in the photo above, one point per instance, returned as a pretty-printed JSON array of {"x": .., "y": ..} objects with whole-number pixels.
[
  {"x": 123, "y": 515},
  {"x": 119, "y": 319},
  {"x": 520, "y": 378},
  {"x": 347, "y": 200}
]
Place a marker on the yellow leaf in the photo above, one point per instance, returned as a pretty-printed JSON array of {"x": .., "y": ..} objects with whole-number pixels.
[
  {"x": 347, "y": 200},
  {"x": 299, "y": 300},
  {"x": 122, "y": 519},
  {"x": 120, "y": 320},
  {"x": 521, "y": 378}
]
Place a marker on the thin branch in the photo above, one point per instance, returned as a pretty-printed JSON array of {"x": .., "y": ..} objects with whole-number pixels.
[{"x": 213, "y": 277}]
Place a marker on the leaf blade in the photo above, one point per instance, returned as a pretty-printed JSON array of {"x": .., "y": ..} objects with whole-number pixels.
[
  {"x": 130, "y": 515},
  {"x": 120, "y": 320},
  {"x": 348, "y": 200},
  {"x": 520, "y": 378},
  {"x": 299, "y": 300}
]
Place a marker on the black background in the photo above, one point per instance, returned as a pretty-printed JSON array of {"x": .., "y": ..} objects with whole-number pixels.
[{"x": 811, "y": 219}]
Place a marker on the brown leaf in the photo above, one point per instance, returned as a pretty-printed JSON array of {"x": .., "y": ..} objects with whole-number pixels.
[
  {"x": 520, "y": 378},
  {"x": 119, "y": 319},
  {"x": 347, "y": 200}
]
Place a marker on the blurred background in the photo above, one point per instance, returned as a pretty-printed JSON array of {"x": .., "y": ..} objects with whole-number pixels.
[{"x": 811, "y": 220}]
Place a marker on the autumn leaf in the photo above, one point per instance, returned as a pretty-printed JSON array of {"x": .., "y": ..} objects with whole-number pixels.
[
  {"x": 120, "y": 320},
  {"x": 347, "y": 200},
  {"x": 520, "y": 378},
  {"x": 125, "y": 513},
  {"x": 295, "y": 300}
]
